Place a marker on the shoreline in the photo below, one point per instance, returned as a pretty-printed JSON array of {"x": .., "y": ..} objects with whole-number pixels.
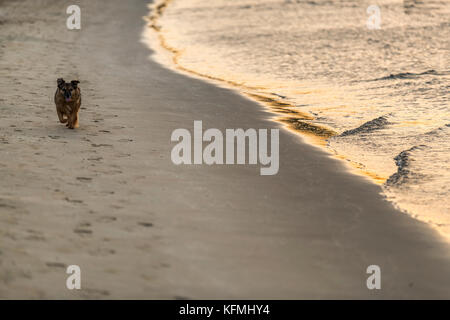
[
  {"x": 282, "y": 110},
  {"x": 108, "y": 198}
]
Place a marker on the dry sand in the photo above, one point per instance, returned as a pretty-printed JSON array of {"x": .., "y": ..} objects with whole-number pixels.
[{"x": 107, "y": 197}]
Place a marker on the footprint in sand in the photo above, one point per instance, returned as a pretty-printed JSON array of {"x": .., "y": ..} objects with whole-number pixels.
[
  {"x": 145, "y": 224},
  {"x": 4, "y": 140},
  {"x": 73, "y": 200},
  {"x": 107, "y": 192},
  {"x": 82, "y": 231},
  {"x": 123, "y": 155},
  {"x": 35, "y": 235},
  {"x": 56, "y": 265},
  {"x": 107, "y": 219},
  {"x": 84, "y": 179},
  {"x": 101, "y": 145},
  {"x": 101, "y": 252},
  {"x": 84, "y": 224},
  {"x": 82, "y": 228},
  {"x": 3, "y": 204}
]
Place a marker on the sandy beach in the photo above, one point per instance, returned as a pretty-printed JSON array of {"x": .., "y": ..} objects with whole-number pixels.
[{"x": 108, "y": 198}]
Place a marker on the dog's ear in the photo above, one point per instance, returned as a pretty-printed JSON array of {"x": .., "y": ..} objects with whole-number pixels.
[
  {"x": 60, "y": 82},
  {"x": 75, "y": 83}
]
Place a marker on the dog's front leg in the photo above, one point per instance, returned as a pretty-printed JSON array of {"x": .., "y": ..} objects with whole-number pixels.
[
  {"x": 72, "y": 121},
  {"x": 61, "y": 117}
]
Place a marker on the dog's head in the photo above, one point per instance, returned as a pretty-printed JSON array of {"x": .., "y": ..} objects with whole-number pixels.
[{"x": 68, "y": 89}]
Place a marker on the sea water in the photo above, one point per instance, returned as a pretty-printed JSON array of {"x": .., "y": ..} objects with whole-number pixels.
[{"x": 383, "y": 91}]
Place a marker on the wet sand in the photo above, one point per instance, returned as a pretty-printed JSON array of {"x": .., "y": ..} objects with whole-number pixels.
[{"x": 107, "y": 197}]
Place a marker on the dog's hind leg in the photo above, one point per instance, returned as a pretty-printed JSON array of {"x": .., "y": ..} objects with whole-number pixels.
[{"x": 75, "y": 120}]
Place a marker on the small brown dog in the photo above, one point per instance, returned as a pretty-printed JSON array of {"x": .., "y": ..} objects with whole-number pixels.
[{"x": 68, "y": 102}]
